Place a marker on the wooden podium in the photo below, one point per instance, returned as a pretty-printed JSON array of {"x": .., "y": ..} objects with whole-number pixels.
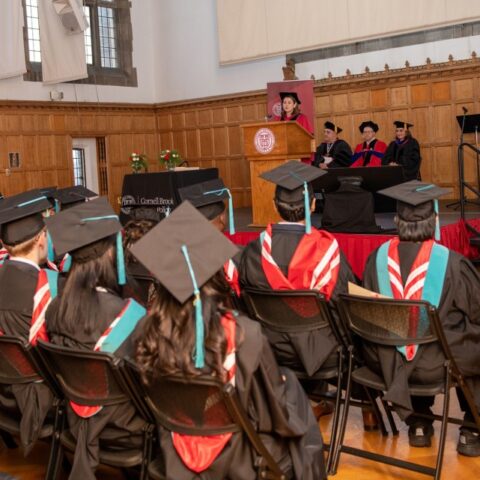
[{"x": 266, "y": 146}]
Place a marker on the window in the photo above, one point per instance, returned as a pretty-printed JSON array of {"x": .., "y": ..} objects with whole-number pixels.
[
  {"x": 108, "y": 42},
  {"x": 78, "y": 155}
]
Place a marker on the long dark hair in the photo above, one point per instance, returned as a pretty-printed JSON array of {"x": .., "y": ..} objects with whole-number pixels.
[
  {"x": 419, "y": 231},
  {"x": 79, "y": 295},
  {"x": 168, "y": 337}
]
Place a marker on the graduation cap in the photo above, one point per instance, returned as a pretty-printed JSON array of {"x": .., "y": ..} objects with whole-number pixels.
[
  {"x": 52, "y": 196},
  {"x": 183, "y": 252},
  {"x": 292, "y": 180},
  {"x": 292, "y": 95},
  {"x": 332, "y": 126},
  {"x": 208, "y": 198},
  {"x": 70, "y": 196},
  {"x": 82, "y": 227},
  {"x": 416, "y": 200},
  {"x": 21, "y": 216},
  {"x": 370, "y": 124},
  {"x": 401, "y": 124}
]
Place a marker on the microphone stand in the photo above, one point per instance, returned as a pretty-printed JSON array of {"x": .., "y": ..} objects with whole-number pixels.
[{"x": 455, "y": 205}]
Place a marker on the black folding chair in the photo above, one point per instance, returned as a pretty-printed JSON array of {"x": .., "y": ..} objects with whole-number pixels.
[
  {"x": 200, "y": 406},
  {"x": 294, "y": 311},
  {"x": 97, "y": 378},
  {"x": 19, "y": 366},
  {"x": 388, "y": 322}
]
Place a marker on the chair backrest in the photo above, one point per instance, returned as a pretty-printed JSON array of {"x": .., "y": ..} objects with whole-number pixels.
[
  {"x": 85, "y": 377},
  {"x": 17, "y": 362},
  {"x": 200, "y": 406},
  {"x": 190, "y": 406},
  {"x": 389, "y": 322},
  {"x": 288, "y": 311}
]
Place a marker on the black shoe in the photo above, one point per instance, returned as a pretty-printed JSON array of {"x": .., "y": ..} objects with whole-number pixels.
[
  {"x": 420, "y": 435},
  {"x": 468, "y": 443}
]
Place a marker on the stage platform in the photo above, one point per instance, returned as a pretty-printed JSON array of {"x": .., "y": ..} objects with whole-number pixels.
[{"x": 357, "y": 246}]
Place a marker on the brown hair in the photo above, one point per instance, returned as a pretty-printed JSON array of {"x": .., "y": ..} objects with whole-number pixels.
[
  {"x": 168, "y": 338},
  {"x": 418, "y": 231}
]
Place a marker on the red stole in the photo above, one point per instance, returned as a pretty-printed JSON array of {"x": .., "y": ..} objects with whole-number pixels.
[
  {"x": 199, "y": 452},
  {"x": 413, "y": 288},
  {"x": 314, "y": 265},
  {"x": 231, "y": 275}
]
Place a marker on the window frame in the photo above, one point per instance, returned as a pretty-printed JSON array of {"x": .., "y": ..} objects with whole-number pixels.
[{"x": 125, "y": 74}]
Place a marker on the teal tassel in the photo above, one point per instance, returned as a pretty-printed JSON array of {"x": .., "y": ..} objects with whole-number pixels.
[
  {"x": 231, "y": 220},
  {"x": 198, "y": 355},
  {"x": 120, "y": 261},
  {"x": 57, "y": 205},
  {"x": 29, "y": 202},
  {"x": 67, "y": 265},
  {"x": 50, "y": 251},
  {"x": 308, "y": 221},
  {"x": 437, "y": 221},
  {"x": 120, "y": 256}
]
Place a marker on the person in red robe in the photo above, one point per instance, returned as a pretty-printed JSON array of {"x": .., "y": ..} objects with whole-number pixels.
[
  {"x": 370, "y": 152},
  {"x": 291, "y": 113}
]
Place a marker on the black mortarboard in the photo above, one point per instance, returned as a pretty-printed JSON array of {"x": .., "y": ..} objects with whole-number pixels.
[
  {"x": 183, "y": 252},
  {"x": 292, "y": 179},
  {"x": 402, "y": 124},
  {"x": 332, "y": 126},
  {"x": 207, "y": 197},
  {"x": 370, "y": 124},
  {"x": 290, "y": 94},
  {"x": 83, "y": 226},
  {"x": 69, "y": 196},
  {"x": 415, "y": 200},
  {"x": 51, "y": 193},
  {"x": 21, "y": 216},
  {"x": 160, "y": 250}
]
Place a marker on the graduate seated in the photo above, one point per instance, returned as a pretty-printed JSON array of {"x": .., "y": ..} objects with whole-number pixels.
[
  {"x": 209, "y": 199},
  {"x": 81, "y": 315},
  {"x": 25, "y": 242},
  {"x": 139, "y": 280},
  {"x": 292, "y": 255},
  {"x": 370, "y": 152},
  {"x": 191, "y": 331},
  {"x": 413, "y": 266}
]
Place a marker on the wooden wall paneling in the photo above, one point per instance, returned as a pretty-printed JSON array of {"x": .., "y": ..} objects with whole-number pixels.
[
  {"x": 152, "y": 150},
  {"x": 426, "y": 167},
  {"x": 206, "y": 143},
  {"x": 441, "y": 91},
  {"x": 398, "y": 96},
  {"x": 235, "y": 140},
  {"x": 420, "y": 118},
  {"x": 360, "y": 100},
  {"x": 470, "y": 163},
  {"x": 220, "y": 141},
  {"x": 463, "y": 89},
  {"x": 163, "y": 121},
  {"x": 322, "y": 104},
  {"x": 249, "y": 112},
  {"x": 178, "y": 121},
  {"x": 180, "y": 142},
  {"x": 166, "y": 141},
  {"x": 88, "y": 123},
  {"x": 262, "y": 109},
  {"x": 115, "y": 148},
  {"x": 442, "y": 123},
  {"x": 444, "y": 165},
  {"x": 234, "y": 114},
  {"x": 420, "y": 93},
  {"x": 204, "y": 117},
  {"x": 191, "y": 119},
  {"x": 380, "y": 98},
  {"x": 340, "y": 102},
  {"x": 218, "y": 116},
  {"x": 72, "y": 122},
  {"x": 192, "y": 141}
]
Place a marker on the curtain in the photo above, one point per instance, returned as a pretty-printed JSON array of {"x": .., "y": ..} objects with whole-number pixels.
[
  {"x": 12, "y": 50},
  {"x": 63, "y": 54},
  {"x": 249, "y": 29}
]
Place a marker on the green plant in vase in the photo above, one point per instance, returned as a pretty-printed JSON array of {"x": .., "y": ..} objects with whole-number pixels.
[
  {"x": 139, "y": 162},
  {"x": 170, "y": 159}
]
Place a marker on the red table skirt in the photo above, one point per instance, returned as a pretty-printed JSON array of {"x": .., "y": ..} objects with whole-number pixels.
[{"x": 357, "y": 247}]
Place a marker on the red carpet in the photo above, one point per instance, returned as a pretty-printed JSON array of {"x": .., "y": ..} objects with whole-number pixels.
[{"x": 357, "y": 247}]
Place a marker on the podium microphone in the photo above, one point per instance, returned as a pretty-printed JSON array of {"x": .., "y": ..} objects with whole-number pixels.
[{"x": 464, "y": 110}]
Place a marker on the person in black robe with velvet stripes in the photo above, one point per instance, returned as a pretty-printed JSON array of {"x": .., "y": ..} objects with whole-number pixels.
[
  {"x": 404, "y": 151},
  {"x": 80, "y": 316},
  {"x": 306, "y": 351},
  {"x": 23, "y": 236},
  {"x": 333, "y": 152},
  {"x": 191, "y": 314},
  {"x": 459, "y": 312}
]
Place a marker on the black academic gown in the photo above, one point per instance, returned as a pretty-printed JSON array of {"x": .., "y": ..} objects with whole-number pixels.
[
  {"x": 406, "y": 154},
  {"x": 340, "y": 152},
  {"x": 18, "y": 282},
  {"x": 306, "y": 351},
  {"x": 459, "y": 312},
  {"x": 117, "y": 422},
  {"x": 278, "y": 408}
]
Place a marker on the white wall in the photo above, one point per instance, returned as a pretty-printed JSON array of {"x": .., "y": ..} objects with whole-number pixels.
[
  {"x": 143, "y": 24},
  {"x": 176, "y": 56}
]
